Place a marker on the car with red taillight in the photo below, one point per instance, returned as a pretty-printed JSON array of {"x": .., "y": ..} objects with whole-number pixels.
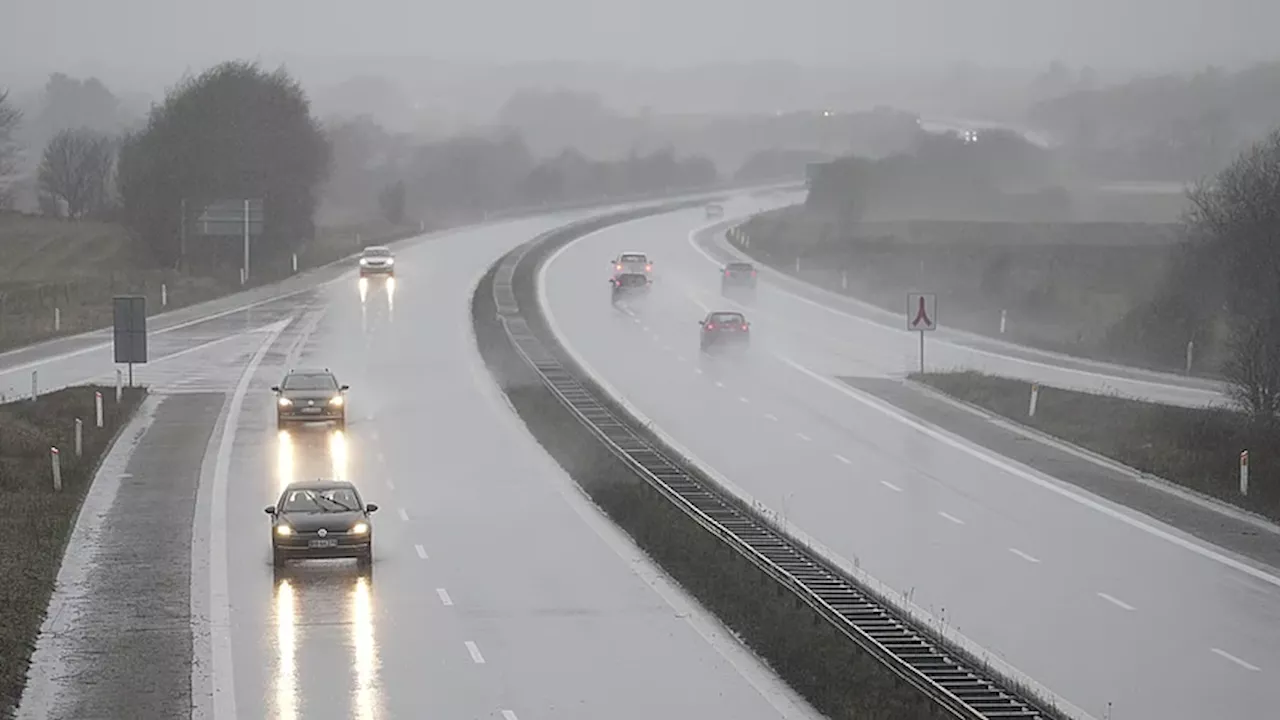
[
  {"x": 724, "y": 329},
  {"x": 738, "y": 277}
]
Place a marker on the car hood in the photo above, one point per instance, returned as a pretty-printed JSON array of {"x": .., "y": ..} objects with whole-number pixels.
[
  {"x": 376, "y": 260},
  {"x": 316, "y": 395},
  {"x": 313, "y": 521}
]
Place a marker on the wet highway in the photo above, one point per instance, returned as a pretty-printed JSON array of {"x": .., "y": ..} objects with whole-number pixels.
[{"x": 1102, "y": 605}]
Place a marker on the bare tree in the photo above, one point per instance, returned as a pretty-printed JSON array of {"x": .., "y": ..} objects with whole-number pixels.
[
  {"x": 75, "y": 172},
  {"x": 1236, "y": 216},
  {"x": 10, "y": 116}
]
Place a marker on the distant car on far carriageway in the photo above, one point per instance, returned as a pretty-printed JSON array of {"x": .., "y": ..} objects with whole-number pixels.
[
  {"x": 715, "y": 210},
  {"x": 377, "y": 260}
]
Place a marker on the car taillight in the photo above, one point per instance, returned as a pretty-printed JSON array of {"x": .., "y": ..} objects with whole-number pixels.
[
  {"x": 744, "y": 326},
  {"x": 711, "y": 326},
  {"x": 753, "y": 273},
  {"x": 617, "y": 267},
  {"x": 727, "y": 273},
  {"x": 648, "y": 268}
]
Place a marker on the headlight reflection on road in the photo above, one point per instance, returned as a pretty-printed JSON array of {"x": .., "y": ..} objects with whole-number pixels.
[
  {"x": 367, "y": 706},
  {"x": 284, "y": 459},
  {"x": 338, "y": 454},
  {"x": 286, "y": 680},
  {"x": 363, "y": 286},
  {"x": 391, "y": 298}
]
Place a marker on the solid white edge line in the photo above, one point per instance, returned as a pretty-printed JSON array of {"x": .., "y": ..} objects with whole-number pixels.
[
  {"x": 474, "y": 650},
  {"x": 899, "y": 600},
  {"x": 951, "y": 517},
  {"x": 508, "y": 715},
  {"x": 1033, "y": 476},
  {"x": 1111, "y": 378},
  {"x": 1116, "y": 601},
  {"x": 222, "y": 673},
  {"x": 422, "y": 552},
  {"x": 1224, "y": 654},
  {"x": 891, "y": 486},
  {"x": 444, "y": 597},
  {"x": 843, "y": 459}
]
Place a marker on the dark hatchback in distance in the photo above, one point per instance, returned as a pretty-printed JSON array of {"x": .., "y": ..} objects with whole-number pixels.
[
  {"x": 321, "y": 519},
  {"x": 310, "y": 396},
  {"x": 738, "y": 276},
  {"x": 721, "y": 329}
]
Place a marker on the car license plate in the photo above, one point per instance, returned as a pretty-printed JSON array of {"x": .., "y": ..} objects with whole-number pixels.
[
  {"x": 311, "y": 410},
  {"x": 327, "y": 543}
]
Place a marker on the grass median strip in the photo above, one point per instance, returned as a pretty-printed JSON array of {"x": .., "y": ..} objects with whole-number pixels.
[
  {"x": 1195, "y": 448},
  {"x": 37, "y": 520}
]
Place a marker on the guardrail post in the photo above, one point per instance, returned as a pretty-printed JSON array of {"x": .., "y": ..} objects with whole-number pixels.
[
  {"x": 97, "y": 407},
  {"x": 79, "y": 437},
  {"x": 1244, "y": 472},
  {"x": 57, "y": 468},
  {"x": 1035, "y": 397}
]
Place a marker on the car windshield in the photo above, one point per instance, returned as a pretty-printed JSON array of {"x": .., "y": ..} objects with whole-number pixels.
[
  {"x": 310, "y": 381},
  {"x": 322, "y": 500},
  {"x": 727, "y": 319},
  {"x": 633, "y": 258},
  {"x": 377, "y": 252},
  {"x": 739, "y": 266}
]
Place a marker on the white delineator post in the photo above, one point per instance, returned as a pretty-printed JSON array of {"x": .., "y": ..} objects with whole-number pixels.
[
  {"x": 57, "y": 319},
  {"x": 295, "y": 262},
  {"x": 1191, "y": 347},
  {"x": 1244, "y": 472},
  {"x": 1035, "y": 398},
  {"x": 1004, "y": 320},
  {"x": 119, "y": 385},
  {"x": 79, "y": 437},
  {"x": 844, "y": 280},
  {"x": 57, "y": 468},
  {"x": 97, "y": 407},
  {"x": 164, "y": 295},
  {"x": 35, "y": 388}
]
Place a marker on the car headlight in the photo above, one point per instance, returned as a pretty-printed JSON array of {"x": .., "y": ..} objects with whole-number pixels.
[
  {"x": 360, "y": 528},
  {"x": 391, "y": 261},
  {"x": 285, "y": 402},
  {"x": 284, "y": 530},
  {"x": 336, "y": 401},
  {"x": 364, "y": 261}
]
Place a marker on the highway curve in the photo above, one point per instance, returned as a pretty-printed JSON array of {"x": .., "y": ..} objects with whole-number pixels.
[{"x": 1100, "y": 603}]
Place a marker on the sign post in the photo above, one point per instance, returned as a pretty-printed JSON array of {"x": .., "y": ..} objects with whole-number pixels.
[
  {"x": 922, "y": 316},
  {"x": 130, "y": 331},
  {"x": 239, "y": 218}
]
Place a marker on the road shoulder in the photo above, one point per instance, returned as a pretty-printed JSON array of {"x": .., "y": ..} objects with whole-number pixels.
[
  {"x": 116, "y": 641},
  {"x": 1124, "y": 486}
]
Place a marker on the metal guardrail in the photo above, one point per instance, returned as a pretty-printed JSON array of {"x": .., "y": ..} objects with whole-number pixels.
[{"x": 954, "y": 683}]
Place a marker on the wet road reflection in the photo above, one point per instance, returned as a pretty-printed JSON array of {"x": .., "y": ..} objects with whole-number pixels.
[
  {"x": 367, "y": 693},
  {"x": 311, "y": 454},
  {"x": 286, "y": 679},
  {"x": 384, "y": 288}
]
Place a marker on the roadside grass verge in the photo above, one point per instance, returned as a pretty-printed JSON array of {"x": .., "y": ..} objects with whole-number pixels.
[
  {"x": 822, "y": 665},
  {"x": 1195, "y": 448},
  {"x": 35, "y": 520}
]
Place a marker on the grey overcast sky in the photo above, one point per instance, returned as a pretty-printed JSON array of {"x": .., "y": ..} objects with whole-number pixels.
[{"x": 38, "y": 35}]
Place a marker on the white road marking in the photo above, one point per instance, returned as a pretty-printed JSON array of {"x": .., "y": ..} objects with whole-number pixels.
[
  {"x": 698, "y": 370},
  {"x": 222, "y": 676},
  {"x": 403, "y": 515},
  {"x": 1019, "y": 471},
  {"x": 743, "y": 399},
  {"x": 422, "y": 552},
  {"x": 1023, "y": 555},
  {"x": 804, "y": 437},
  {"x": 476, "y": 657},
  {"x": 666, "y": 348},
  {"x": 681, "y": 358},
  {"x": 771, "y": 416},
  {"x": 842, "y": 459},
  {"x": 444, "y": 597},
  {"x": 1116, "y": 601},
  {"x": 719, "y": 384},
  {"x": 508, "y": 715},
  {"x": 382, "y": 458},
  {"x": 1236, "y": 660},
  {"x": 952, "y": 518},
  {"x": 391, "y": 483},
  {"x": 645, "y": 328},
  {"x": 891, "y": 486}
]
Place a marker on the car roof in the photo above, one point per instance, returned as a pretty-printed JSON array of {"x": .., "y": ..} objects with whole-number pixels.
[
  {"x": 377, "y": 248},
  {"x": 310, "y": 371},
  {"x": 319, "y": 484},
  {"x": 630, "y": 252},
  {"x": 739, "y": 264},
  {"x": 734, "y": 313}
]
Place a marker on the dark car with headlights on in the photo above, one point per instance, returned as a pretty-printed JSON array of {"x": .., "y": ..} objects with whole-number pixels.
[
  {"x": 310, "y": 396},
  {"x": 724, "y": 329},
  {"x": 628, "y": 284},
  {"x": 738, "y": 277},
  {"x": 321, "y": 519},
  {"x": 377, "y": 260}
]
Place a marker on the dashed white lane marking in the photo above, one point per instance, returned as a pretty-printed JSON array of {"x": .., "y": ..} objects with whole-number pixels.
[
  {"x": 891, "y": 486},
  {"x": 644, "y": 328},
  {"x": 422, "y": 552},
  {"x": 391, "y": 483},
  {"x": 698, "y": 370},
  {"x": 476, "y": 657},
  {"x": 1116, "y": 601},
  {"x": 404, "y": 515},
  {"x": 719, "y": 384},
  {"x": 952, "y": 518},
  {"x": 444, "y": 597},
  {"x": 666, "y": 348},
  {"x": 804, "y": 437},
  {"x": 743, "y": 399},
  {"x": 508, "y": 715},
  {"x": 681, "y": 358},
  {"x": 382, "y": 458},
  {"x": 1023, "y": 555},
  {"x": 842, "y": 459},
  {"x": 1236, "y": 660},
  {"x": 771, "y": 416}
]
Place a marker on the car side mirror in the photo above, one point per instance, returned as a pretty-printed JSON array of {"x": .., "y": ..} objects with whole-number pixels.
[
  {"x": 271, "y": 510},
  {"x": 371, "y": 507},
  {"x": 275, "y": 388},
  {"x": 345, "y": 388}
]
